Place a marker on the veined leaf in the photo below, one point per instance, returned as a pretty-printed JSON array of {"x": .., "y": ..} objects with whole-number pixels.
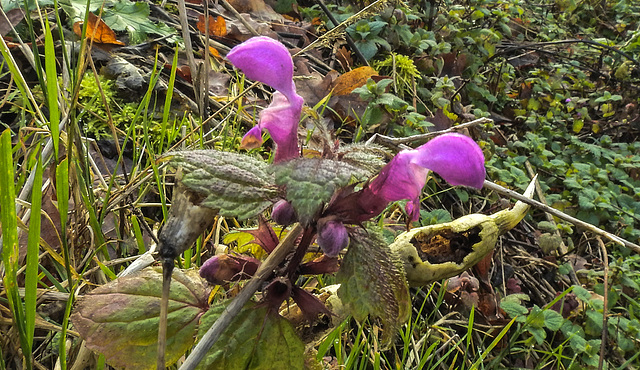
[
  {"x": 255, "y": 339},
  {"x": 385, "y": 297},
  {"x": 120, "y": 318},
  {"x": 311, "y": 182},
  {"x": 236, "y": 185}
]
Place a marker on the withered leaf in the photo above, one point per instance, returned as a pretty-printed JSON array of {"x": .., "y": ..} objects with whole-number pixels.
[
  {"x": 358, "y": 77},
  {"x": 217, "y": 26},
  {"x": 97, "y": 31}
]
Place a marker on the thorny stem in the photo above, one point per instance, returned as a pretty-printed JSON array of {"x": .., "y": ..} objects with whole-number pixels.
[{"x": 231, "y": 311}]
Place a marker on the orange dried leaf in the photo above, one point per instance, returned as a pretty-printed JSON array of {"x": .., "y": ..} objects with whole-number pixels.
[
  {"x": 215, "y": 52},
  {"x": 345, "y": 83},
  {"x": 217, "y": 27},
  {"x": 97, "y": 31}
]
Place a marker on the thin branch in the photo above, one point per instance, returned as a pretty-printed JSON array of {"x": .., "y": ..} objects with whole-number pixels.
[
  {"x": 605, "y": 260},
  {"x": 594, "y": 229},
  {"x": 231, "y": 311},
  {"x": 398, "y": 141}
]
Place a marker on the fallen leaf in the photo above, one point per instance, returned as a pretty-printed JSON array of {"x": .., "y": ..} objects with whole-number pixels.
[
  {"x": 97, "y": 31},
  {"x": 217, "y": 27},
  {"x": 358, "y": 77},
  {"x": 344, "y": 58},
  {"x": 13, "y": 17}
]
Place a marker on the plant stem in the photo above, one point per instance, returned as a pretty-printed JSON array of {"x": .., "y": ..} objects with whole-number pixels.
[
  {"x": 231, "y": 311},
  {"x": 594, "y": 229}
]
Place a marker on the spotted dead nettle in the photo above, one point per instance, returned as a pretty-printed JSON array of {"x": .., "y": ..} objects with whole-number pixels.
[
  {"x": 268, "y": 61},
  {"x": 455, "y": 157}
]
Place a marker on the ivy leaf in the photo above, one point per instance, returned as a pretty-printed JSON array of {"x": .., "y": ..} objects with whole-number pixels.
[
  {"x": 255, "y": 339},
  {"x": 385, "y": 297},
  {"x": 236, "y": 185},
  {"x": 120, "y": 318},
  {"x": 311, "y": 182}
]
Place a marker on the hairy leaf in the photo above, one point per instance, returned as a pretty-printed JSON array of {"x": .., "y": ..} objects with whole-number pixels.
[
  {"x": 120, "y": 318},
  {"x": 255, "y": 339},
  {"x": 311, "y": 183},
  {"x": 237, "y": 185},
  {"x": 369, "y": 157},
  {"x": 373, "y": 283}
]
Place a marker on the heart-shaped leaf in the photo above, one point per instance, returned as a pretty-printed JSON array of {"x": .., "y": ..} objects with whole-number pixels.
[
  {"x": 311, "y": 182},
  {"x": 120, "y": 318},
  {"x": 255, "y": 339},
  {"x": 373, "y": 282},
  {"x": 236, "y": 185}
]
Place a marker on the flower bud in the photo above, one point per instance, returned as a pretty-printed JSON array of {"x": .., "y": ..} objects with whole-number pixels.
[
  {"x": 283, "y": 213},
  {"x": 332, "y": 237},
  {"x": 226, "y": 267}
]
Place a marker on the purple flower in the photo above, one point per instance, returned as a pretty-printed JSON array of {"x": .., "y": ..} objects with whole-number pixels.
[
  {"x": 455, "y": 157},
  {"x": 268, "y": 61}
]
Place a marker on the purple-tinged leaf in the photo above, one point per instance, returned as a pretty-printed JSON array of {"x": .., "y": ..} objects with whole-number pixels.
[{"x": 120, "y": 319}]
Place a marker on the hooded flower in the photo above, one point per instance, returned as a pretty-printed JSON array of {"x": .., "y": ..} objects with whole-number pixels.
[
  {"x": 455, "y": 157},
  {"x": 268, "y": 61}
]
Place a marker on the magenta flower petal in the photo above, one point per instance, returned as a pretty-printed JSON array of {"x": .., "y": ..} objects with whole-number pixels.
[
  {"x": 266, "y": 60},
  {"x": 455, "y": 157},
  {"x": 281, "y": 120}
]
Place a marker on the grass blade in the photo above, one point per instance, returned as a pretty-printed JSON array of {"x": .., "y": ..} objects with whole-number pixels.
[
  {"x": 33, "y": 250},
  {"x": 10, "y": 241}
]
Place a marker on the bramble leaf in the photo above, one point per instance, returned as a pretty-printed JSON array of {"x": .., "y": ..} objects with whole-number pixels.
[
  {"x": 385, "y": 297},
  {"x": 255, "y": 339},
  {"x": 311, "y": 183},
  {"x": 236, "y": 185},
  {"x": 120, "y": 318}
]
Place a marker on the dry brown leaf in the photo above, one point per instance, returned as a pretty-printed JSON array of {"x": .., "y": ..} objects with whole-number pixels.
[
  {"x": 217, "y": 26},
  {"x": 344, "y": 58},
  {"x": 97, "y": 31},
  {"x": 353, "y": 79}
]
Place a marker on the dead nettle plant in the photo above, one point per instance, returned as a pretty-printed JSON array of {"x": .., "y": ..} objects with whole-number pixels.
[{"x": 322, "y": 201}]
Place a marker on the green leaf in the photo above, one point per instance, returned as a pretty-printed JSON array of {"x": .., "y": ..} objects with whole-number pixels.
[
  {"x": 236, "y": 185},
  {"x": 255, "y": 339},
  {"x": 134, "y": 18},
  {"x": 553, "y": 320},
  {"x": 311, "y": 182},
  {"x": 513, "y": 307},
  {"x": 538, "y": 333},
  {"x": 385, "y": 297},
  {"x": 120, "y": 318}
]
